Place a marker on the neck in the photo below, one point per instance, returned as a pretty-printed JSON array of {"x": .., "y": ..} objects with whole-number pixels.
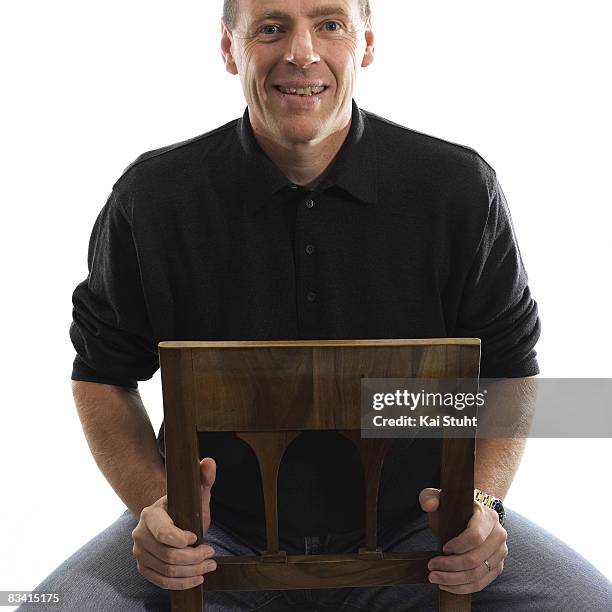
[{"x": 303, "y": 163}]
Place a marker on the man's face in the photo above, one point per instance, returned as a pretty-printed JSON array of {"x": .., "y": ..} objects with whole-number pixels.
[{"x": 280, "y": 44}]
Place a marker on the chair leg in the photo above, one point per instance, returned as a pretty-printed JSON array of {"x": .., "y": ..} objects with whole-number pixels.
[
  {"x": 451, "y": 602},
  {"x": 456, "y": 505}
]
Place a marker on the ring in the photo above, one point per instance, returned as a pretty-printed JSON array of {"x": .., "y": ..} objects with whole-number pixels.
[{"x": 487, "y": 564}]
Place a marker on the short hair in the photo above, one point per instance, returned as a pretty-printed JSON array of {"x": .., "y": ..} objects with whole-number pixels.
[{"x": 230, "y": 10}]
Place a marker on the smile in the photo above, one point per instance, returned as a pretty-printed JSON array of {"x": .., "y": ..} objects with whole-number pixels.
[{"x": 306, "y": 91}]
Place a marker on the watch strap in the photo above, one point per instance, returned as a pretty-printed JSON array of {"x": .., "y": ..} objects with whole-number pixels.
[{"x": 490, "y": 501}]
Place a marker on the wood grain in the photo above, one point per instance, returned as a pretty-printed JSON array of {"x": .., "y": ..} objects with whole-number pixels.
[{"x": 268, "y": 392}]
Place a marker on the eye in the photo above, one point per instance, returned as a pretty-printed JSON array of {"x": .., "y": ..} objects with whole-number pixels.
[
  {"x": 268, "y": 27},
  {"x": 334, "y": 23}
]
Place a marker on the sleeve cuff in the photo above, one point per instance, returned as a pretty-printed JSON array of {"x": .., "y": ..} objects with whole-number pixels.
[
  {"x": 81, "y": 371},
  {"x": 529, "y": 367}
]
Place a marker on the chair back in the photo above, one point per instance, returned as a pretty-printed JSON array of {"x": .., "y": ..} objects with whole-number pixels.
[{"x": 267, "y": 393}]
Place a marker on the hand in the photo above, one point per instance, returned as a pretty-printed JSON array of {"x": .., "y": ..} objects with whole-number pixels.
[
  {"x": 162, "y": 550},
  {"x": 463, "y": 570}
]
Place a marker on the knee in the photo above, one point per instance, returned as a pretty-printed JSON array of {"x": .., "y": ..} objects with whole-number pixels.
[{"x": 543, "y": 574}]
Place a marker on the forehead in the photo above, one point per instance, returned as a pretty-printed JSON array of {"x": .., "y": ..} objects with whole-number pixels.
[{"x": 261, "y": 9}]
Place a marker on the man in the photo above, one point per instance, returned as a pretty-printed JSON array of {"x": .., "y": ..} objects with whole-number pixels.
[{"x": 306, "y": 218}]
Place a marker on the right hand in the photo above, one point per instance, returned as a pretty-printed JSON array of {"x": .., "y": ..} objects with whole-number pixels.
[{"x": 162, "y": 550}]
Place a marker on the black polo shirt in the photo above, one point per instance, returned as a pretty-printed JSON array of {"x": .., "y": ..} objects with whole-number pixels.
[{"x": 406, "y": 236}]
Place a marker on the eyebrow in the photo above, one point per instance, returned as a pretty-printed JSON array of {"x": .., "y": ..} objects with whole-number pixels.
[{"x": 320, "y": 11}]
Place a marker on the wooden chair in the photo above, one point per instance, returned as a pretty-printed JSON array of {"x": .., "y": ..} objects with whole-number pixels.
[{"x": 268, "y": 392}]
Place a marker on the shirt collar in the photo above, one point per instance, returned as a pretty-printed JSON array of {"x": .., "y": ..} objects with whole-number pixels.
[{"x": 354, "y": 170}]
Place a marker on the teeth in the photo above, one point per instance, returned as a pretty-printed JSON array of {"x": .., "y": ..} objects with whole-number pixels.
[{"x": 302, "y": 91}]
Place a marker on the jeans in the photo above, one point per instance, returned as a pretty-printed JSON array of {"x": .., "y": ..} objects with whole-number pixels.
[{"x": 541, "y": 574}]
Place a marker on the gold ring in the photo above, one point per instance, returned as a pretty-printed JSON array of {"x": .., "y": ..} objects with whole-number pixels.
[{"x": 487, "y": 564}]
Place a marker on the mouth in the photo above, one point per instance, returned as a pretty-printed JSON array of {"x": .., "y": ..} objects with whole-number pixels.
[{"x": 305, "y": 92}]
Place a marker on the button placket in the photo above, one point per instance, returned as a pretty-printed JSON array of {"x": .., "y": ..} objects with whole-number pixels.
[
  {"x": 306, "y": 232},
  {"x": 309, "y": 249}
]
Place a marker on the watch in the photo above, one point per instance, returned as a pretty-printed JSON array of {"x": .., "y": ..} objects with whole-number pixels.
[{"x": 491, "y": 502}]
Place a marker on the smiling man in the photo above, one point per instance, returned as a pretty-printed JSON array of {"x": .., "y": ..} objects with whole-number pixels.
[
  {"x": 298, "y": 65},
  {"x": 306, "y": 218}
]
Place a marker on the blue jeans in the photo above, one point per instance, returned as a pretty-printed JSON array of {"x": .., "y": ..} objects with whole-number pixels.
[{"x": 541, "y": 574}]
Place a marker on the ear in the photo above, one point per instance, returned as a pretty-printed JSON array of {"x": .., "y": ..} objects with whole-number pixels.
[
  {"x": 368, "y": 56},
  {"x": 226, "y": 49}
]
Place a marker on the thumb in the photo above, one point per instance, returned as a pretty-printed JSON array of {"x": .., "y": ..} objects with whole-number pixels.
[
  {"x": 208, "y": 473},
  {"x": 429, "y": 499}
]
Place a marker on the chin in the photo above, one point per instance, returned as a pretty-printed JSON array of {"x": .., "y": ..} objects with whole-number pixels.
[{"x": 301, "y": 129}]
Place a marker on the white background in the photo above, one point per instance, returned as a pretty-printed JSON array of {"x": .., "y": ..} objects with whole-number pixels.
[{"x": 89, "y": 86}]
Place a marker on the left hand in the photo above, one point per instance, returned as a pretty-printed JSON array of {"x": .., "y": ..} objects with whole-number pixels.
[{"x": 462, "y": 570}]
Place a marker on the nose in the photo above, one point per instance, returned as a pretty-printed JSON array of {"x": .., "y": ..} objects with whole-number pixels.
[{"x": 301, "y": 52}]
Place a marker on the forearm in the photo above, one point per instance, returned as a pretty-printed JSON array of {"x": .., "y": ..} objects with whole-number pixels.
[
  {"x": 122, "y": 441},
  {"x": 509, "y": 408},
  {"x": 497, "y": 460}
]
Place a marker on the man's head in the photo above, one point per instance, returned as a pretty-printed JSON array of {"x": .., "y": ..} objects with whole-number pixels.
[{"x": 279, "y": 45}]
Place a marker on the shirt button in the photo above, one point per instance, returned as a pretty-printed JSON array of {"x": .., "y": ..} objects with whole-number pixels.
[
  {"x": 310, "y": 249},
  {"x": 311, "y": 296},
  {"x": 294, "y": 187},
  {"x": 309, "y": 203}
]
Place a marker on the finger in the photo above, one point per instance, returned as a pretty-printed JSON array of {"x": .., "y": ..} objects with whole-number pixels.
[
  {"x": 471, "y": 559},
  {"x": 208, "y": 472},
  {"x": 471, "y": 576},
  {"x": 488, "y": 578},
  {"x": 163, "y": 529},
  {"x": 175, "y": 584},
  {"x": 495, "y": 549},
  {"x": 429, "y": 499},
  {"x": 170, "y": 570},
  {"x": 174, "y": 556},
  {"x": 481, "y": 524}
]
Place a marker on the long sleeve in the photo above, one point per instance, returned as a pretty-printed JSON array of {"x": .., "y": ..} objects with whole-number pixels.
[
  {"x": 496, "y": 304},
  {"x": 110, "y": 330}
]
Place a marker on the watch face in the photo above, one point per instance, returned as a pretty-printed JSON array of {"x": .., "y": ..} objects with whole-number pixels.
[{"x": 499, "y": 508}]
